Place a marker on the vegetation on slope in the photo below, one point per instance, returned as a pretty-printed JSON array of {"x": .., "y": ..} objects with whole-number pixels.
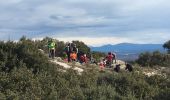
[{"x": 25, "y": 73}]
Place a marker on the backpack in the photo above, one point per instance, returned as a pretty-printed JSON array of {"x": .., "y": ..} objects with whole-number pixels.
[
  {"x": 109, "y": 58},
  {"x": 114, "y": 55},
  {"x": 68, "y": 49},
  {"x": 75, "y": 49}
]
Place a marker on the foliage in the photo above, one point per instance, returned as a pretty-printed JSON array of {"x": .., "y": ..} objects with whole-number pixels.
[
  {"x": 97, "y": 55},
  {"x": 153, "y": 59},
  {"x": 167, "y": 46},
  {"x": 26, "y": 74}
]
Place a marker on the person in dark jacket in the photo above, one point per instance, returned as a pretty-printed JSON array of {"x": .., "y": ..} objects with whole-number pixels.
[
  {"x": 114, "y": 58},
  {"x": 129, "y": 67},
  {"x": 117, "y": 68},
  {"x": 68, "y": 51}
]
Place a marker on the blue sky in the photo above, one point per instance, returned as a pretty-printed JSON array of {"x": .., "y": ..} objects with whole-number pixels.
[{"x": 95, "y": 22}]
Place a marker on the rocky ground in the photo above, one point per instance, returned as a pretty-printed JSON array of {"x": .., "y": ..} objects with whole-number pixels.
[{"x": 80, "y": 67}]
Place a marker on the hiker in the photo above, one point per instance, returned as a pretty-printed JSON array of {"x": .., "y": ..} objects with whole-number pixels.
[
  {"x": 109, "y": 58},
  {"x": 65, "y": 56},
  {"x": 83, "y": 58},
  {"x": 79, "y": 54},
  {"x": 51, "y": 48},
  {"x": 68, "y": 51},
  {"x": 75, "y": 51},
  {"x": 93, "y": 61},
  {"x": 74, "y": 48},
  {"x": 102, "y": 64},
  {"x": 73, "y": 56},
  {"x": 71, "y": 48},
  {"x": 129, "y": 67},
  {"x": 117, "y": 68},
  {"x": 114, "y": 57}
]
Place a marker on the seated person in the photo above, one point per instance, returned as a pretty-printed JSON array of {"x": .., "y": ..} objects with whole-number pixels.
[
  {"x": 117, "y": 68},
  {"x": 73, "y": 56},
  {"x": 129, "y": 67},
  {"x": 83, "y": 59}
]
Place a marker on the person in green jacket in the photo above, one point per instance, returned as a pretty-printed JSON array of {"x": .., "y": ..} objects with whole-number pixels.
[{"x": 51, "y": 47}]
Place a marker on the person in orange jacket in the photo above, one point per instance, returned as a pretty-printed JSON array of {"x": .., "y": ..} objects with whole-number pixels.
[{"x": 73, "y": 56}]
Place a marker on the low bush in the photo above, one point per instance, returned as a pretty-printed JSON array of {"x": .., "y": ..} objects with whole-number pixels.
[{"x": 26, "y": 74}]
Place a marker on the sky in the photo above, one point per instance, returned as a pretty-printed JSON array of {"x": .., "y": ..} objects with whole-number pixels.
[{"x": 95, "y": 22}]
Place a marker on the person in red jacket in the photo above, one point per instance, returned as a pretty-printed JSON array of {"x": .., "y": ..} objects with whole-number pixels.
[
  {"x": 109, "y": 59},
  {"x": 83, "y": 59}
]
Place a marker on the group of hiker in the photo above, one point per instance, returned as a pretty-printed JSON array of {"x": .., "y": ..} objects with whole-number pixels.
[
  {"x": 73, "y": 54},
  {"x": 108, "y": 60}
]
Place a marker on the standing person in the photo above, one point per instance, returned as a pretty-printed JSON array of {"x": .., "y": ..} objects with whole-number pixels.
[
  {"x": 79, "y": 54},
  {"x": 68, "y": 51},
  {"x": 114, "y": 57},
  {"x": 51, "y": 48},
  {"x": 74, "y": 50}
]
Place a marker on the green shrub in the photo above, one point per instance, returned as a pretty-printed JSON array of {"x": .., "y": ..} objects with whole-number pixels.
[
  {"x": 27, "y": 74},
  {"x": 153, "y": 59}
]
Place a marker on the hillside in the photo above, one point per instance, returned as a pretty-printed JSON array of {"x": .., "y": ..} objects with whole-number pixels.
[
  {"x": 26, "y": 73},
  {"x": 129, "y": 48},
  {"x": 129, "y": 51}
]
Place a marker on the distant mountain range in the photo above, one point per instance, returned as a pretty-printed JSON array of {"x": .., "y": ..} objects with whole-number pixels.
[{"x": 129, "y": 51}]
